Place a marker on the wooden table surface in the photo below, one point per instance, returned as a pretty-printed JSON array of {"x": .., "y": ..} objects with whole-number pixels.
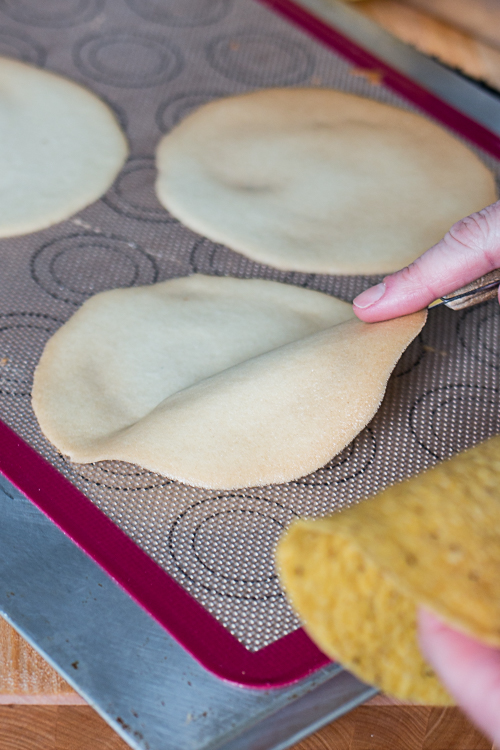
[{"x": 40, "y": 711}]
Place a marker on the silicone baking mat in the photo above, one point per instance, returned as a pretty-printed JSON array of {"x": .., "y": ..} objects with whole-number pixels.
[{"x": 201, "y": 561}]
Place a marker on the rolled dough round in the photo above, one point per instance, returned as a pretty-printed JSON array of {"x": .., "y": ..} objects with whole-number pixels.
[
  {"x": 60, "y": 148},
  {"x": 216, "y": 382},
  {"x": 319, "y": 181}
]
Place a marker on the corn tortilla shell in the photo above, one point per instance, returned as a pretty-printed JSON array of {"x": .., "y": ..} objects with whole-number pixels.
[{"x": 357, "y": 578}]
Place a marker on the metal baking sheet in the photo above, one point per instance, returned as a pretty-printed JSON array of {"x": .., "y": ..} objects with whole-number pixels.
[
  {"x": 154, "y": 62},
  {"x": 127, "y": 667}
]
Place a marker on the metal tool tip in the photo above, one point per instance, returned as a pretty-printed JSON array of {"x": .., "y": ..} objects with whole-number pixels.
[{"x": 436, "y": 302}]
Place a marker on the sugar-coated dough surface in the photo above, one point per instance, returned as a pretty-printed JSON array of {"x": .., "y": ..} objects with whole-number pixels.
[
  {"x": 317, "y": 180},
  {"x": 60, "y": 148},
  {"x": 216, "y": 382}
]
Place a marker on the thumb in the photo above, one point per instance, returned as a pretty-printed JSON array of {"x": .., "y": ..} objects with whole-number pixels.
[
  {"x": 469, "y": 250},
  {"x": 470, "y": 671}
]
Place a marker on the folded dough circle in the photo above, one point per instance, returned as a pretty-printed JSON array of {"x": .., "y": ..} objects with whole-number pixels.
[
  {"x": 60, "y": 148},
  {"x": 316, "y": 180},
  {"x": 216, "y": 382}
]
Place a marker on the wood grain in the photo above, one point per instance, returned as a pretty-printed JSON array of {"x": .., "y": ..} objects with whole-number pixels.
[
  {"x": 398, "y": 727},
  {"x": 56, "y": 728},
  {"x": 450, "y": 728},
  {"x": 27, "y": 678},
  {"x": 365, "y": 728},
  {"x": 454, "y": 46},
  {"x": 480, "y": 18}
]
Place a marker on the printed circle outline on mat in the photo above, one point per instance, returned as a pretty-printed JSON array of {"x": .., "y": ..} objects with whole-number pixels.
[
  {"x": 18, "y": 358},
  {"x": 340, "y": 469},
  {"x": 117, "y": 475},
  {"x": 411, "y": 357},
  {"x": 181, "y": 13},
  {"x": 137, "y": 177},
  {"x": 95, "y": 263},
  {"x": 182, "y": 105},
  {"x": 481, "y": 325},
  {"x": 214, "y": 259},
  {"x": 207, "y": 564},
  {"x": 442, "y": 409},
  {"x": 296, "y": 278},
  {"x": 253, "y": 58},
  {"x": 109, "y": 58},
  {"x": 203, "y": 257},
  {"x": 21, "y": 47},
  {"x": 58, "y": 16}
]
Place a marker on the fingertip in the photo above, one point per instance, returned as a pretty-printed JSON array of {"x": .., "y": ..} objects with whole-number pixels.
[
  {"x": 391, "y": 298},
  {"x": 370, "y": 306},
  {"x": 429, "y": 622},
  {"x": 439, "y": 640},
  {"x": 430, "y": 630},
  {"x": 469, "y": 669},
  {"x": 369, "y": 297},
  {"x": 365, "y": 315}
]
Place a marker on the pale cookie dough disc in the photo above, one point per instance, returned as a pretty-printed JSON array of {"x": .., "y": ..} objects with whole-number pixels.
[
  {"x": 319, "y": 181},
  {"x": 60, "y": 148},
  {"x": 216, "y": 382}
]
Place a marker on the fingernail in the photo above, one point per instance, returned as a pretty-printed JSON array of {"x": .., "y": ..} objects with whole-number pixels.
[{"x": 369, "y": 296}]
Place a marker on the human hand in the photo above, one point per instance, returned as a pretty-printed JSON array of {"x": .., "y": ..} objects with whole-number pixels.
[
  {"x": 468, "y": 669},
  {"x": 469, "y": 250}
]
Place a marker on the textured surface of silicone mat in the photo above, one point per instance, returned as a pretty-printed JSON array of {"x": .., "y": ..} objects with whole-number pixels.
[{"x": 154, "y": 63}]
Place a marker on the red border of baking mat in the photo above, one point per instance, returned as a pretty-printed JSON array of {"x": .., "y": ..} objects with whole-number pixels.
[
  {"x": 294, "y": 656},
  {"x": 284, "y": 661}
]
